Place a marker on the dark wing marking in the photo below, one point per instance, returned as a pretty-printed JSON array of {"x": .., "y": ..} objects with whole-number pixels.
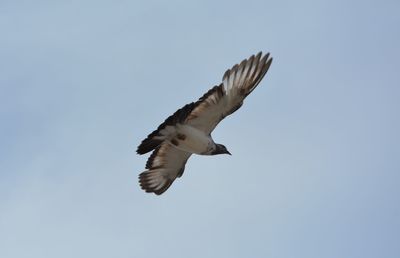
[
  {"x": 165, "y": 130},
  {"x": 223, "y": 100},
  {"x": 164, "y": 165}
]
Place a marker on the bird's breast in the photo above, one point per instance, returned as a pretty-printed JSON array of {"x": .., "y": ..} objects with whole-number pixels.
[{"x": 192, "y": 140}]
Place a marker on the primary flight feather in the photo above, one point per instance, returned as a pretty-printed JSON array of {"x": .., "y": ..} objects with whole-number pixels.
[{"x": 188, "y": 130}]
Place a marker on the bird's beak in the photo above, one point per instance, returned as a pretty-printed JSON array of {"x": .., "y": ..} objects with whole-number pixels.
[{"x": 227, "y": 152}]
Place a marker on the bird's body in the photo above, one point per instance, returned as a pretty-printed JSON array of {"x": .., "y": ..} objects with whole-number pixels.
[
  {"x": 192, "y": 140},
  {"x": 188, "y": 130}
]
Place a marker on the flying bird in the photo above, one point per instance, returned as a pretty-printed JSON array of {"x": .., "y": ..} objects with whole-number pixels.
[{"x": 188, "y": 130}]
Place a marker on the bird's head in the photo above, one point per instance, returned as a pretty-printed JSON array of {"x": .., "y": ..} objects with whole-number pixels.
[{"x": 221, "y": 149}]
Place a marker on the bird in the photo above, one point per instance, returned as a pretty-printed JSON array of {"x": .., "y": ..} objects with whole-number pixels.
[{"x": 188, "y": 130}]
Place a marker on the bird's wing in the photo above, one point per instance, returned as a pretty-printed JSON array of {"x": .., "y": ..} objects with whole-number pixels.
[
  {"x": 165, "y": 164},
  {"x": 223, "y": 100},
  {"x": 215, "y": 105}
]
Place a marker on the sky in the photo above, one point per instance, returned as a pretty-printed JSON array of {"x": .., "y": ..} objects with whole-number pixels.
[{"x": 316, "y": 157}]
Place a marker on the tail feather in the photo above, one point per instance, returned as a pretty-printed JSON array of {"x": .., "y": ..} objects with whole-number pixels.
[{"x": 148, "y": 145}]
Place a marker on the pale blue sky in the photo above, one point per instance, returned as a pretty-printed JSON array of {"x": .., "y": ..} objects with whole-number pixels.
[{"x": 315, "y": 165}]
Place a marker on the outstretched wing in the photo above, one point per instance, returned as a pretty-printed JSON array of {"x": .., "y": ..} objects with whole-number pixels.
[
  {"x": 223, "y": 100},
  {"x": 165, "y": 164}
]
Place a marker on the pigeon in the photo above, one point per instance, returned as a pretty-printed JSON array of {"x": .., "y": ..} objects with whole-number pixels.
[{"x": 188, "y": 130}]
